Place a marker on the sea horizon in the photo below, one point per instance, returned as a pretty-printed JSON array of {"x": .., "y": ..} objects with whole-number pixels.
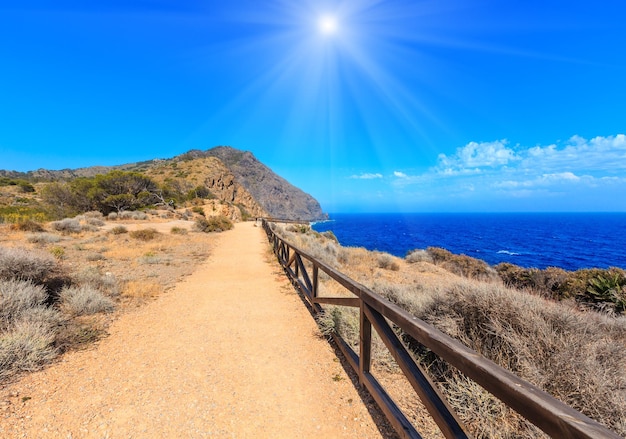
[{"x": 568, "y": 240}]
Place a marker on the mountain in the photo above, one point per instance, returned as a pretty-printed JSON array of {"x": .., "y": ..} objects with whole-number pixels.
[
  {"x": 234, "y": 176},
  {"x": 184, "y": 174},
  {"x": 277, "y": 196}
]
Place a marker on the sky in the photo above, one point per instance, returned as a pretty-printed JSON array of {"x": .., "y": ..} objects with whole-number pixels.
[{"x": 368, "y": 105}]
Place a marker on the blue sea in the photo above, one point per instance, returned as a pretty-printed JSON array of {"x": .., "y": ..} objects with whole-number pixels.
[{"x": 567, "y": 240}]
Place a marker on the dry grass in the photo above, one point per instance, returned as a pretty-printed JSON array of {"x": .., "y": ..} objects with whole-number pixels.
[
  {"x": 141, "y": 290},
  {"x": 44, "y": 301},
  {"x": 577, "y": 356}
]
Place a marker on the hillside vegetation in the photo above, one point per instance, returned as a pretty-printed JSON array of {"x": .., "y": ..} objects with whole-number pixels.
[
  {"x": 555, "y": 339},
  {"x": 223, "y": 175}
]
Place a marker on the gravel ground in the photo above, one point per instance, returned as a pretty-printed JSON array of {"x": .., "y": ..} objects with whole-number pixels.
[{"x": 230, "y": 351}]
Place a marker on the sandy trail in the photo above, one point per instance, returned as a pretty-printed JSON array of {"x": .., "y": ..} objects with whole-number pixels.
[{"x": 229, "y": 352}]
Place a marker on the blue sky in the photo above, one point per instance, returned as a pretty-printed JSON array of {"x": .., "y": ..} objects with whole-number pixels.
[{"x": 409, "y": 105}]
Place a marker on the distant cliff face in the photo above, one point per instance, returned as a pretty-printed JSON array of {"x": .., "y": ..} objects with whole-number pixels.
[
  {"x": 275, "y": 194},
  {"x": 211, "y": 173}
]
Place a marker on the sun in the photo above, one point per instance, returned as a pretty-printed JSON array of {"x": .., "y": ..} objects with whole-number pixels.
[{"x": 328, "y": 25}]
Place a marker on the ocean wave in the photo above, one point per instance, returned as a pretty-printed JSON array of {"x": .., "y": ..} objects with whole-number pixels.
[{"x": 506, "y": 252}]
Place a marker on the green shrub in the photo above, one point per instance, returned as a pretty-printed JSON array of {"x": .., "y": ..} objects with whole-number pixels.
[
  {"x": 16, "y": 214},
  {"x": 600, "y": 289},
  {"x": 178, "y": 231},
  {"x": 57, "y": 252},
  {"x": 607, "y": 290},
  {"x": 144, "y": 234},
  {"x": 213, "y": 224},
  {"x": 198, "y": 210},
  {"x": 84, "y": 300}
]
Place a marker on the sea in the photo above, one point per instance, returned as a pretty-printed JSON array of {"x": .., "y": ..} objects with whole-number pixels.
[{"x": 567, "y": 240}]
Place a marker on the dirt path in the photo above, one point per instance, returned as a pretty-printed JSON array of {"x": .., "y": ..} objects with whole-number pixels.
[{"x": 231, "y": 352}]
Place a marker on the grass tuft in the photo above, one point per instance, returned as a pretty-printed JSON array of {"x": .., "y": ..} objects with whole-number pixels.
[
  {"x": 217, "y": 223},
  {"x": 27, "y": 225},
  {"x": 144, "y": 234},
  {"x": 43, "y": 238},
  {"x": 19, "y": 263},
  {"x": 67, "y": 225},
  {"x": 84, "y": 300}
]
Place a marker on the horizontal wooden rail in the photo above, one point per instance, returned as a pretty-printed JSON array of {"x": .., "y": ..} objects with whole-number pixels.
[{"x": 552, "y": 416}]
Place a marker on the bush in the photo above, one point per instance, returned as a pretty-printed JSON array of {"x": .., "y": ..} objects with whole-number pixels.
[
  {"x": 418, "y": 255},
  {"x": 16, "y": 297},
  {"x": 178, "y": 231},
  {"x": 574, "y": 356},
  {"x": 27, "y": 225},
  {"x": 213, "y": 224},
  {"x": 330, "y": 235},
  {"x": 84, "y": 300},
  {"x": 19, "y": 263},
  {"x": 132, "y": 215},
  {"x": 58, "y": 252},
  {"x": 118, "y": 230},
  {"x": 298, "y": 228},
  {"x": 43, "y": 238},
  {"x": 387, "y": 262},
  {"x": 112, "y": 216},
  {"x": 603, "y": 290},
  {"x": 67, "y": 225},
  {"x": 144, "y": 234},
  {"x": 25, "y": 347},
  {"x": 91, "y": 276},
  {"x": 462, "y": 265},
  {"x": 93, "y": 214},
  {"x": 97, "y": 222}
]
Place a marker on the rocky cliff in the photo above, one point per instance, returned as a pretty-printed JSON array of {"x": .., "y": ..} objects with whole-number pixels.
[
  {"x": 277, "y": 196},
  {"x": 211, "y": 173}
]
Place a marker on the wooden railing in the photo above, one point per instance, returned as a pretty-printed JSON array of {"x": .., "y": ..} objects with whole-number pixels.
[{"x": 552, "y": 416}]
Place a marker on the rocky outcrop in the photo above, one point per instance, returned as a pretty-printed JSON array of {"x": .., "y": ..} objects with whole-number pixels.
[
  {"x": 275, "y": 194},
  {"x": 211, "y": 173}
]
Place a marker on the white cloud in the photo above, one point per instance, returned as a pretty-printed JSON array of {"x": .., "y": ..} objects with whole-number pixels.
[
  {"x": 598, "y": 155},
  {"x": 479, "y": 155},
  {"x": 366, "y": 176},
  {"x": 564, "y": 172}
]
